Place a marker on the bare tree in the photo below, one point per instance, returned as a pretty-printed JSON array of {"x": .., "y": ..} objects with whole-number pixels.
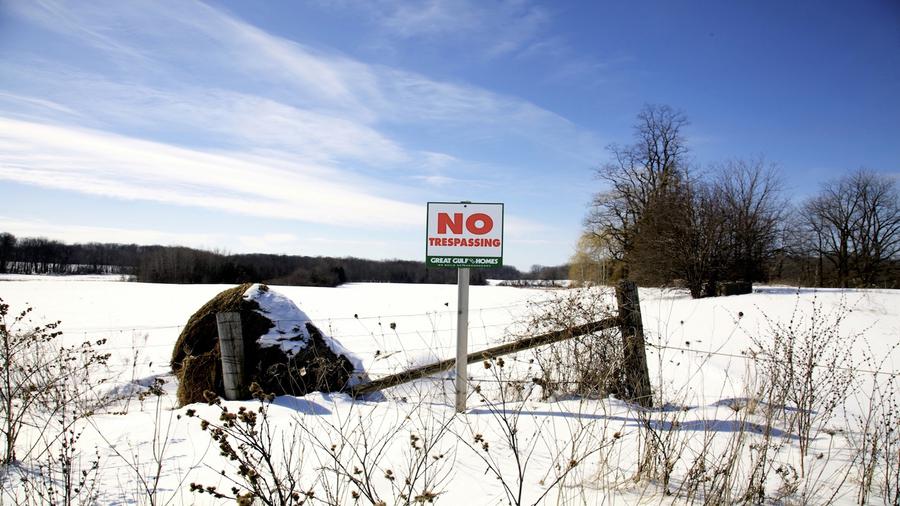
[
  {"x": 681, "y": 239},
  {"x": 855, "y": 222},
  {"x": 831, "y": 219},
  {"x": 754, "y": 212},
  {"x": 877, "y": 238},
  {"x": 699, "y": 254},
  {"x": 665, "y": 224},
  {"x": 795, "y": 260},
  {"x": 638, "y": 177}
]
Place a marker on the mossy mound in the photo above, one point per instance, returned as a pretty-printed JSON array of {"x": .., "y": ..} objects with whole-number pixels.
[
  {"x": 201, "y": 335},
  {"x": 734, "y": 288},
  {"x": 308, "y": 366}
]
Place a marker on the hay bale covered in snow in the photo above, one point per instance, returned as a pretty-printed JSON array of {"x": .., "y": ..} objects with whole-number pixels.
[
  {"x": 728, "y": 288},
  {"x": 285, "y": 353}
]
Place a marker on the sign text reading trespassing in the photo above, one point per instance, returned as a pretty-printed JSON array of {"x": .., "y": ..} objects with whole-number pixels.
[{"x": 464, "y": 234}]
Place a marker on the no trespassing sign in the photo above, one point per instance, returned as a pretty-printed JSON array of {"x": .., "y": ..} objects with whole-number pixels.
[{"x": 464, "y": 234}]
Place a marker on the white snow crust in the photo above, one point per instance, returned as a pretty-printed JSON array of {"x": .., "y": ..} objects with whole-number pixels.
[
  {"x": 695, "y": 354},
  {"x": 290, "y": 332}
]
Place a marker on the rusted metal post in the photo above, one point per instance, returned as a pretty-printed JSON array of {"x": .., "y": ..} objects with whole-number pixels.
[{"x": 462, "y": 338}]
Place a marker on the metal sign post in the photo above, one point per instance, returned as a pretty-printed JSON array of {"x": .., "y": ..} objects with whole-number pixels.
[
  {"x": 463, "y": 235},
  {"x": 462, "y": 337}
]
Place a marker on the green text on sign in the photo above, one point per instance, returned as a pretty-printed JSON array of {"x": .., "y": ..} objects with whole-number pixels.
[{"x": 470, "y": 262}]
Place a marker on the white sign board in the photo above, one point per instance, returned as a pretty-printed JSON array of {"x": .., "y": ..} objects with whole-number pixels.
[{"x": 464, "y": 234}]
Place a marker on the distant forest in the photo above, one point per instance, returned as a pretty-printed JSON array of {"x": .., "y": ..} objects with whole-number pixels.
[{"x": 175, "y": 264}]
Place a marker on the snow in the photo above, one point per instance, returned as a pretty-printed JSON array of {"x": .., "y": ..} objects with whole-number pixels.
[
  {"x": 696, "y": 353},
  {"x": 67, "y": 278},
  {"x": 289, "y": 320},
  {"x": 290, "y": 324}
]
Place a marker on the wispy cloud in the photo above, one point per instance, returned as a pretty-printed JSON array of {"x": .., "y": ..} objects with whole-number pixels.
[
  {"x": 83, "y": 234},
  {"x": 500, "y": 28},
  {"x": 427, "y": 18},
  {"x": 520, "y": 30},
  {"x": 216, "y": 113},
  {"x": 99, "y": 163},
  {"x": 60, "y": 17},
  {"x": 239, "y": 120},
  {"x": 37, "y": 106},
  {"x": 279, "y": 243}
]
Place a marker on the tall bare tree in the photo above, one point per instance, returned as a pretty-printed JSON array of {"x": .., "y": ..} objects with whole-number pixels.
[
  {"x": 877, "y": 239},
  {"x": 855, "y": 222},
  {"x": 681, "y": 238},
  {"x": 638, "y": 177},
  {"x": 663, "y": 223},
  {"x": 754, "y": 211}
]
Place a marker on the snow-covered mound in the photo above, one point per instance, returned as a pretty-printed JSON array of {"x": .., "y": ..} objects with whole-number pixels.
[
  {"x": 284, "y": 352},
  {"x": 290, "y": 332}
]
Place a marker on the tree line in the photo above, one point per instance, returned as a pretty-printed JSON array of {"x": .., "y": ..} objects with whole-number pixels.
[
  {"x": 175, "y": 264},
  {"x": 663, "y": 221}
]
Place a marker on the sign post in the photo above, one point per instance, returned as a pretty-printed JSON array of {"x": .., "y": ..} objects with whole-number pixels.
[
  {"x": 462, "y": 337},
  {"x": 463, "y": 235}
]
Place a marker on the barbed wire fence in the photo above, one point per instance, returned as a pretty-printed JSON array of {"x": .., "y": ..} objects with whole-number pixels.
[{"x": 392, "y": 348}]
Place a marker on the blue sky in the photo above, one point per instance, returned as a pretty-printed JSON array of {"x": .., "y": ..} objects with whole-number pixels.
[{"x": 323, "y": 127}]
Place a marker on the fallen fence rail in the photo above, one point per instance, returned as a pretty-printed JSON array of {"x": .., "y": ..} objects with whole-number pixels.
[{"x": 486, "y": 354}]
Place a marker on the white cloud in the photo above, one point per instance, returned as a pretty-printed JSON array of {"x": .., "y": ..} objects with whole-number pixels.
[
  {"x": 525, "y": 26},
  {"x": 104, "y": 164},
  {"x": 499, "y": 28},
  {"x": 275, "y": 243},
  {"x": 518, "y": 228},
  {"x": 222, "y": 115},
  {"x": 37, "y": 105},
  {"x": 428, "y": 17},
  {"x": 59, "y": 17},
  {"x": 295, "y": 83},
  {"x": 84, "y": 234},
  {"x": 438, "y": 180},
  {"x": 517, "y": 29}
]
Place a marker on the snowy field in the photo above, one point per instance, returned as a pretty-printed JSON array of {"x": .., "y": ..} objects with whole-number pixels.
[{"x": 571, "y": 450}]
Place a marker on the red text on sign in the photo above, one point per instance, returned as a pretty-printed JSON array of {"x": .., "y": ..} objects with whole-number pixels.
[
  {"x": 477, "y": 223},
  {"x": 458, "y": 241}
]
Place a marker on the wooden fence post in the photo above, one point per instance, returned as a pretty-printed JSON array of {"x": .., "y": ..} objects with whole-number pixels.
[
  {"x": 231, "y": 346},
  {"x": 637, "y": 377}
]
